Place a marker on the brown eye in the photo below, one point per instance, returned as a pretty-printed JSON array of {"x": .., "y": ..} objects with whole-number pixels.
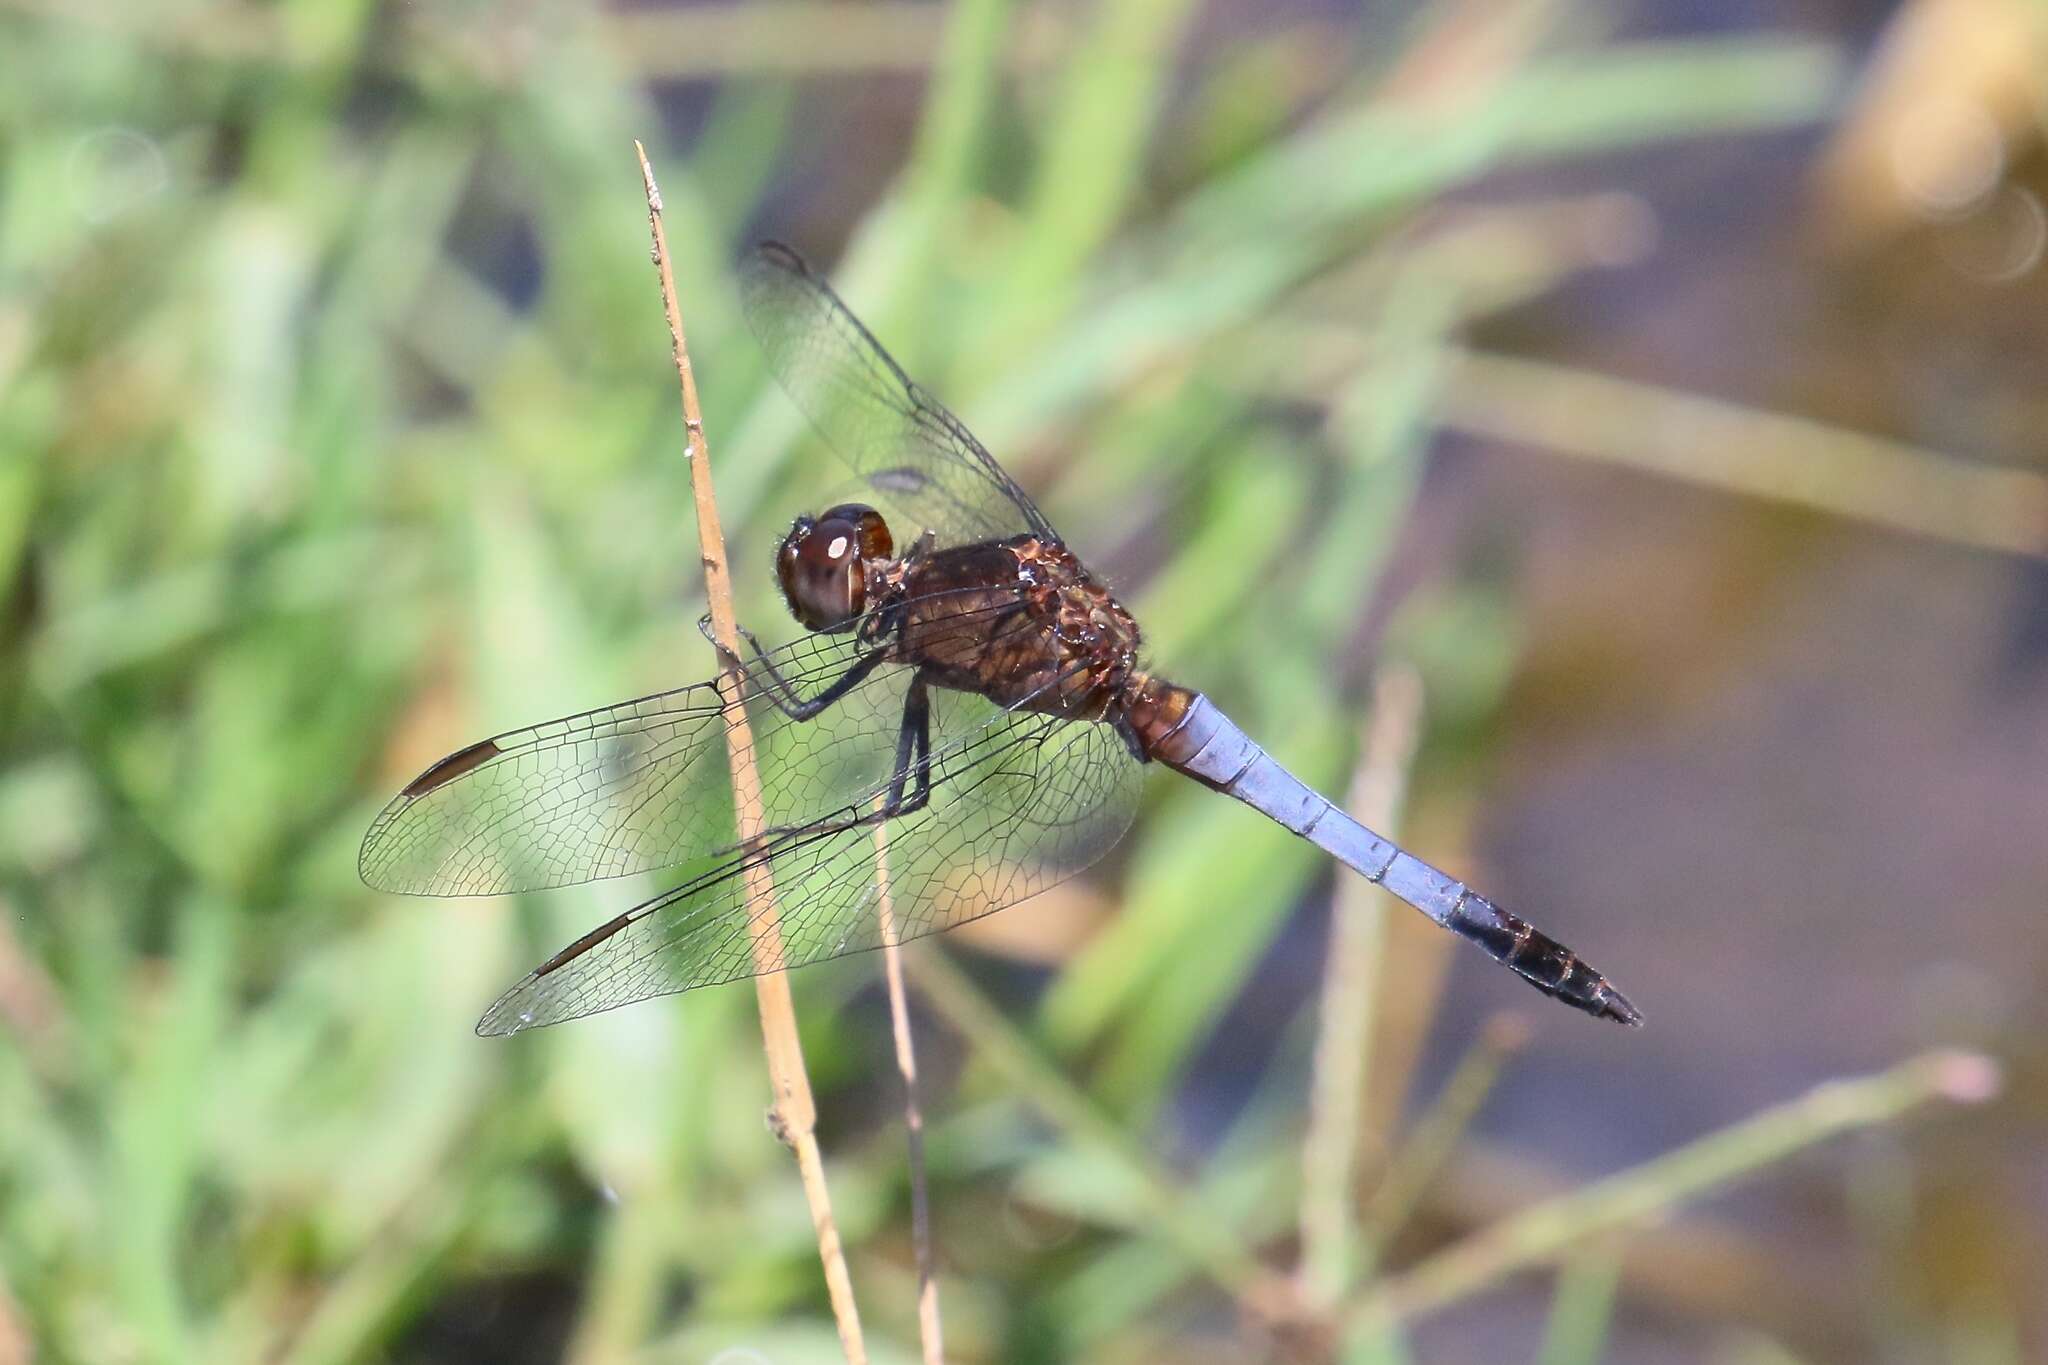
[
  {"x": 823, "y": 567},
  {"x": 871, "y": 532}
]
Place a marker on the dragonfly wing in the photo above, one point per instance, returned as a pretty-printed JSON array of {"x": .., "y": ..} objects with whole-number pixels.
[
  {"x": 638, "y": 786},
  {"x": 1018, "y": 804},
  {"x": 913, "y": 454}
]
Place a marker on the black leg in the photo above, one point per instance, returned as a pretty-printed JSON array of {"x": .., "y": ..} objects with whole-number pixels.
[
  {"x": 913, "y": 771},
  {"x": 915, "y": 737},
  {"x": 785, "y": 697},
  {"x": 780, "y": 690}
]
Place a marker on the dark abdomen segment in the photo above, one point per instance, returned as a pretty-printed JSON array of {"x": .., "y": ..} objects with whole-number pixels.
[{"x": 1187, "y": 732}]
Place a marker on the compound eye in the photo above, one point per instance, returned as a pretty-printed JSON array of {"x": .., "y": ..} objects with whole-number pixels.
[
  {"x": 821, "y": 571},
  {"x": 870, "y": 531},
  {"x": 833, "y": 543}
]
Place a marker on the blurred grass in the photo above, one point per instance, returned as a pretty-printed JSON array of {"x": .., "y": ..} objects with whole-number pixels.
[{"x": 334, "y": 430}]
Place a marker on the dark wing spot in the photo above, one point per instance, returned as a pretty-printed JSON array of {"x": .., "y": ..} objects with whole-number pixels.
[
  {"x": 452, "y": 767},
  {"x": 583, "y": 945}
]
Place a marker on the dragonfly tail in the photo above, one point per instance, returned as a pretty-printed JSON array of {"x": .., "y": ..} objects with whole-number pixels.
[{"x": 1187, "y": 732}]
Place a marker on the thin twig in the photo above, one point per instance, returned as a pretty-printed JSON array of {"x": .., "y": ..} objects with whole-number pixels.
[
  {"x": 1350, "y": 993},
  {"x": 913, "y": 1117},
  {"x": 1541, "y": 1234},
  {"x": 795, "y": 1112}
]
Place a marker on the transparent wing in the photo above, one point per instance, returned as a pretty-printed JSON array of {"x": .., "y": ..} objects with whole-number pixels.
[
  {"x": 644, "y": 784},
  {"x": 913, "y": 454},
  {"x": 1018, "y": 803}
]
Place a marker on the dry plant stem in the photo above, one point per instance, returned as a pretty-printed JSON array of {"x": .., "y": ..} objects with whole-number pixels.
[
  {"x": 1350, "y": 991},
  {"x": 795, "y": 1112},
  {"x": 928, "y": 1333},
  {"x": 1540, "y": 1234}
]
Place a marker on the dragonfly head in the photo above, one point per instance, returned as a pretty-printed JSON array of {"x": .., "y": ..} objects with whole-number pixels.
[{"x": 824, "y": 561}]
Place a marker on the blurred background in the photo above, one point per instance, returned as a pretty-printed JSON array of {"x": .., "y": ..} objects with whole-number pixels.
[{"x": 1619, "y": 426}]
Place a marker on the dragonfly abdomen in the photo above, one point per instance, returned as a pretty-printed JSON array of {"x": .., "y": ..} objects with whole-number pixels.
[{"x": 1190, "y": 734}]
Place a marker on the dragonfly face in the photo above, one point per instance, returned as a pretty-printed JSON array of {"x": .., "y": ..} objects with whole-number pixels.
[
  {"x": 980, "y": 696},
  {"x": 827, "y": 564}
]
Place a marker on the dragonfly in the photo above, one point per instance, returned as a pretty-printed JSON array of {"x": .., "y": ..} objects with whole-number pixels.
[{"x": 977, "y": 696}]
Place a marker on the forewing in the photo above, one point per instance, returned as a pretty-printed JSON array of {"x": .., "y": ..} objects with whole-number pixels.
[
  {"x": 1018, "y": 804},
  {"x": 912, "y": 453},
  {"x": 638, "y": 786}
]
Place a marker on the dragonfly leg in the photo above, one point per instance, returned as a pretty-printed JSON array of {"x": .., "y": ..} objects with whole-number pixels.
[
  {"x": 910, "y": 790},
  {"x": 796, "y": 707},
  {"x": 914, "y": 738},
  {"x": 782, "y": 691},
  {"x": 724, "y": 656}
]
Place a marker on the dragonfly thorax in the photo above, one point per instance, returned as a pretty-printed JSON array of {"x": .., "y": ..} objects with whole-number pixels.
[{"x": 827, "y": 562}]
